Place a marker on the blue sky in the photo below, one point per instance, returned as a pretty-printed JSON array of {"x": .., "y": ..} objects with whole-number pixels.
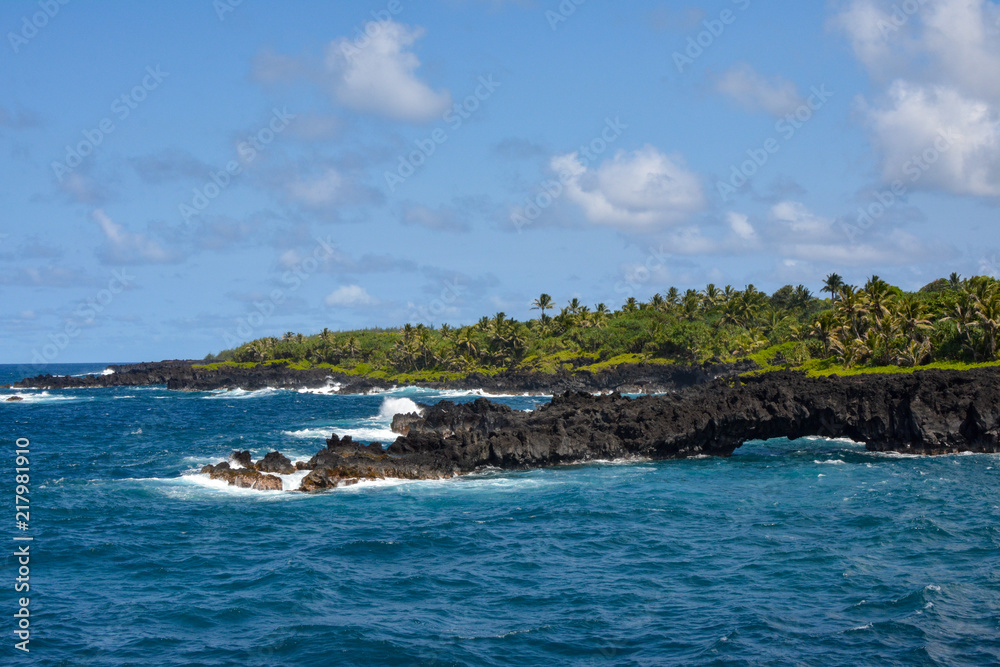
[{"x": 179, "y": 177}]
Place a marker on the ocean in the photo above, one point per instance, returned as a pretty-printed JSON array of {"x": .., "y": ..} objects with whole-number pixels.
[{"x": 804, "y": 552}]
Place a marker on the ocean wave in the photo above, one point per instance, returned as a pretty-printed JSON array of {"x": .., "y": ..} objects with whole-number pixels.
[
  {"x": 370, "y": 429},
  {"x": 397, "y": 406},
  {"x": 832, "y": 462},
  {"x": 839, "y": 441},
  {"x": 40, "y": 397},
  {"x": 443, "y": 394},
  {"x": 241, "y": 393},
  {"x": 106, "y": 371},
  {"x": 372, "y": 433},
  {"x": 327, "y": 390}
]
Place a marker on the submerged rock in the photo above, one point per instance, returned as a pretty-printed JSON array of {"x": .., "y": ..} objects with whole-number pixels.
[
  {"x": 248, "y": 479},
  {"x": 14, "y": 398}
]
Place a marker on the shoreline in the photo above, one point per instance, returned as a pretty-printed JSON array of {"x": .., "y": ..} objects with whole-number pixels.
[
  {"x": 928, "y": 413},
  {"x": 641, "y": 378}
]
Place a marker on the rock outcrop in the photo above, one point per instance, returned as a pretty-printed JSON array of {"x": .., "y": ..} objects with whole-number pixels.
[
  {"x": 927, "y": 412},
  {"x": 184, "y": 376},
  {"x": 275, "y": 462},
  {"x": 244, "y": 478}
]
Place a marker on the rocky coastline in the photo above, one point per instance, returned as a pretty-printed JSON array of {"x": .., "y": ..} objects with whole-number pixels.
[
  {"x": 923, "y": 413},
  {"x": 185, "y": 376}
]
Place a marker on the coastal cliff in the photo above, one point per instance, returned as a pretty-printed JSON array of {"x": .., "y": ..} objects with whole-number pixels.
[{"x": 928, "y": 412}]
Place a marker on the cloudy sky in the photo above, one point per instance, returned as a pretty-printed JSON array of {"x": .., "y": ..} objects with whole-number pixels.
[{"x": 178, "y": 177}]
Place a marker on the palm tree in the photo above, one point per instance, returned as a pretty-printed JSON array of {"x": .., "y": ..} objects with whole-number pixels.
[
  {"x": 822, "y": 329},
  {"x": 690, "y": 304},
  {"x": 467, "y": 343},
  {"x": 543, "y": 303},
  {"x": 802, "y": 297},
  {"x": 850, "y": 307},
  {"x": 712, "y": 296},
  {"x": 601, "y": 314},
  {"x": 351, "y": 347},
  {"x": 833, "y": 284}
]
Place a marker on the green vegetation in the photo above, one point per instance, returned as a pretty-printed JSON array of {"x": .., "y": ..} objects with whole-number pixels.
[{"x": 878, "y": 328}]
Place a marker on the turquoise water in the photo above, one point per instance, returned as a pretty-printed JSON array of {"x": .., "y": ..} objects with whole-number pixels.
[{"x": 805, "y": 552}]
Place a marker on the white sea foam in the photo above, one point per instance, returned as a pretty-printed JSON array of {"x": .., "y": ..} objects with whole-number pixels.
[
  {"x": 241, "y": 393},
  {"x": 38, "y": 397},
  {"x": 330, "y": 388},
  {"x": 439, "y": 394},
  {"x": 460, "y": 393},
  {"x": 361, "y": 433},
  {"x": 310, "y": 433},
  {"x": 365, "y": 430},
  {"x": 832, "y": 462},
  {"x": 221, "y": 486},
  {"x": 106, "y": 371},
  {"x": 397, "y": 406},
  {"x": 840, "y": 441}
]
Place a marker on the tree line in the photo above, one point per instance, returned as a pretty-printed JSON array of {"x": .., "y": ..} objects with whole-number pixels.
[{"x": 876, "y": 324}]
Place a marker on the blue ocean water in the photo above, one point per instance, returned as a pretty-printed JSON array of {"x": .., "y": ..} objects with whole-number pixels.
[{"x": 798, "y": 552}]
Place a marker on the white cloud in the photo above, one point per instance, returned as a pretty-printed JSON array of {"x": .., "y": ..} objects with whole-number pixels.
[
  {"x": 641, "y": 190},
  {"x": 797, "y": 233},
  {"x": 318, "y": 192},
  {"x": 776, "y": 96},
  {"x": 740, "y": 224},
  {"x": 380, "y": 76},
  {"x": 124, "y": 247},
  {"x": 932, "y": 136},
  {"x": 349, "y": 296},
  {"x": 939, "y": 64}
]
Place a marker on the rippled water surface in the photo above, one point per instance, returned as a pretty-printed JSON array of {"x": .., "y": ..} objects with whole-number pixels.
[{"x": 804, "y": 552}]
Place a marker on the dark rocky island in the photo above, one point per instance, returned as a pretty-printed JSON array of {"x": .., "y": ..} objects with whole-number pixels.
[{"x": 927, "y": 412}]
